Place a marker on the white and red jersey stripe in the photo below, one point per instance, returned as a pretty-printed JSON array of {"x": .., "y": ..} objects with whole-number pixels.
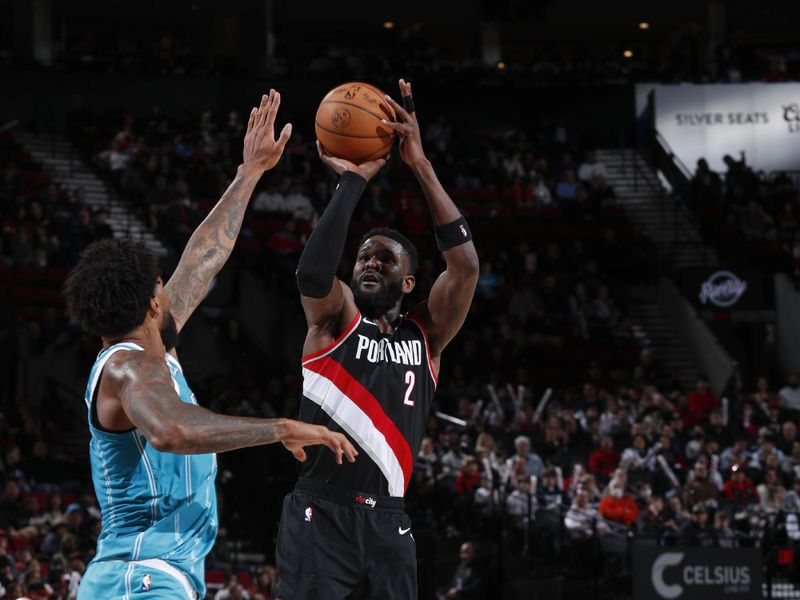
[{"x": 378, "y": 389}]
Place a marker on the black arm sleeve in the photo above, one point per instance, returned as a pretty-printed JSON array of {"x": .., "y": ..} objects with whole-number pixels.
[{"x": 323, "y": 252}]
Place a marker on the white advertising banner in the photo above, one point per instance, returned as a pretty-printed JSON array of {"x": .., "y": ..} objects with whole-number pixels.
[{"x": 710, "y": 121}]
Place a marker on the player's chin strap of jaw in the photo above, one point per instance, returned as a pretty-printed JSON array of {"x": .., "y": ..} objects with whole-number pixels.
[
  {"x": 317, "y": 266},
  {"x": 452, "y": 234}
]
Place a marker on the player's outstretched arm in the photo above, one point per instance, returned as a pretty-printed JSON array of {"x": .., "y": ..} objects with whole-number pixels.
[
  {"x": 451, "y": 295},
  {"x": 143, "y": 385},
  {"x": 212, "y": 242},
  {"x": 328, "y": 303}
]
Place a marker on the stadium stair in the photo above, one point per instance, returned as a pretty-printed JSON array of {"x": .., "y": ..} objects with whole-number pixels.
[
  {"x": 650, "y": 326},
  {"x": 647, "y": 203},
  {"x": 62, "y": 160}
]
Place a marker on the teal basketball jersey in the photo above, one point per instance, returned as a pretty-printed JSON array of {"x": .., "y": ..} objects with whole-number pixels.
[{"x": 154, "y": 505}]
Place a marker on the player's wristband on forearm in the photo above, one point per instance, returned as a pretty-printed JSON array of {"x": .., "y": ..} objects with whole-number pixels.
[
  {"x": 317, "y": 266},
  {"x": 452, "y": 234}
]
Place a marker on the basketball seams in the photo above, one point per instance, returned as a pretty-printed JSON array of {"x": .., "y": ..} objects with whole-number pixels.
[
  {"x": 379, "y": 93},
  {"x": 389, "y": 135},
  {"x": 380, "y": 117}
]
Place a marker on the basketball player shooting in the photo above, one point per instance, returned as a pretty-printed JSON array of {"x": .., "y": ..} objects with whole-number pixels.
[
  {"x": 369, "y": 371},
  {"x": 152, "y": 447}
]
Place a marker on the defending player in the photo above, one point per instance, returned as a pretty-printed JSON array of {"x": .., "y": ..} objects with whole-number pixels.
[
  {"x": 369, "y": 371},
  {"x": 152, "y": 448}
]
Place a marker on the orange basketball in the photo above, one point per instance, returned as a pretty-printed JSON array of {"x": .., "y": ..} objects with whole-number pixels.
[{"x": 348, "y": 122}]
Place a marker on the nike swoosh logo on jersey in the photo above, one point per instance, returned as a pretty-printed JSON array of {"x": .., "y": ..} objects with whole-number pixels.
[
  {"x": 370, "y": 322},
  {"x": 402, "y": 531}
]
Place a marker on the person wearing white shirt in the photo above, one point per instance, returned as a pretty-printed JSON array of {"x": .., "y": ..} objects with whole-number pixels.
[
  {"x": 298, "y": 204},
  {"x": 519, "y": 502},
  {"x": 268, "y": 201},
  {"x": 582, "y": 517},
  {"x": 637, "y": 457},
  {"x": 523, "y": 446},
  {"x": 591, "y": 167}
]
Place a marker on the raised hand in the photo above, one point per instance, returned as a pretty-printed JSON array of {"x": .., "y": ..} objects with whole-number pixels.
[
  {"x": 298, "y": 434},
  {"x": 407, "y": 128},
  {"x": 367, "y": 170},
  {"x": 261, "y": 150}
]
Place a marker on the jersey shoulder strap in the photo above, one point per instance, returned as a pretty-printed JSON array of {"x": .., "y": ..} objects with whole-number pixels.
[{"x": 100, "y": 364}]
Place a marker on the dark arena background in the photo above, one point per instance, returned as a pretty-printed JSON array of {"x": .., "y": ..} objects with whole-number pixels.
[{"x": 618, "y": 416}]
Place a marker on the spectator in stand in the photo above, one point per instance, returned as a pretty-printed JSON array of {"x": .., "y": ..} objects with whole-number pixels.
[
  {"x": 534, "y": 464},
  {"x": 263, "y": 583},
  {"x": 792, "y": 500},
  {"x": 770, "y": 481},
  {"x": 539, "y": 193},
  {"x": 521, "y": 503},
  {"x": 715, "y": 430},
  {"x": 788, "y": 437},
  {"x": 468, "y": 477},
  {"x": 10, "y": 506},
  {"x": 776, "y": 498},
  {"x": 638, "y": 461},
  {"x": 790, "y": 394},
  {"x": 548, "y": 494},
  {"x": 454, "y": 459},
  {"x": 589, "y": 484},
  {"x": 591, "y": 168},
  {"x": 739, "y": 490},
  {"x": 604, "y": 460},
  {"x": 467, "y": 582},
  {"x": 567, "y": 188},
  {"x": 700, "y": 486},
  {"x": 652, "y": 521},
  {"x": 702, "y": 401},
  {"x": 698, "y": 532},
  {"x": 677, "y": 516},
  {"x": 427, "y": 464},
  {"x": 767, "y": 455},
  {"x": 582, "y": 517},
  {"x": 763, "y": 396},
  {"x": 617, "y": 505},
  {"x": 791, "y": 462},
  {"x": 233, "y": 591},
  {"x": 270, "y": 200},
  {"x": 725, "y": 536},
  {"x": 737, "y": 453},
  {"x": 706, "y": 186}
]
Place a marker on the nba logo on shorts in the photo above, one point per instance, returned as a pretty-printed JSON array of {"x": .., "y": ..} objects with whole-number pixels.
[
  {"x": 309, "y": 514},
  {"x": 146, "y": 581}
]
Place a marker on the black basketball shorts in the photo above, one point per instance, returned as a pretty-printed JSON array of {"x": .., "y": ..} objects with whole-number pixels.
[{"x": 334, "y": 544}]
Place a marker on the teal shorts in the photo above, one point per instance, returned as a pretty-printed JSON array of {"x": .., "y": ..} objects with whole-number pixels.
[{"x": 144, "y": 579}]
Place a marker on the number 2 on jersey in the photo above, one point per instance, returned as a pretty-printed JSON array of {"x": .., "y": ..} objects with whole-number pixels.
[{"x": 410, "y": 380}]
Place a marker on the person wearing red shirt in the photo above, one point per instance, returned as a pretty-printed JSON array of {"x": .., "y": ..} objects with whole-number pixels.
[
  {"x": 604, "y": 459},
  {"x": 739, "y": 488},
  {"x": 701, "y": 401},
  {"x": 469, "y": 477},
  {"x": 618, "y": 506}
]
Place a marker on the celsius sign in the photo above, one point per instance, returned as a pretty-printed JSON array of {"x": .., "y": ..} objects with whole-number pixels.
[{"x": 690, "y": 573}]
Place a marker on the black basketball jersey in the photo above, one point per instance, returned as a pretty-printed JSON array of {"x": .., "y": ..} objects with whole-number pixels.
[{"x": 377, "y": 388}]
